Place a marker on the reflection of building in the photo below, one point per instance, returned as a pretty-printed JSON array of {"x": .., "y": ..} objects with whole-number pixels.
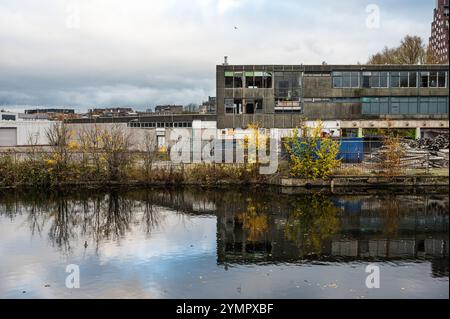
[
  {"x": 439, "y": 32},
  {"x": 421, "y": 232}
]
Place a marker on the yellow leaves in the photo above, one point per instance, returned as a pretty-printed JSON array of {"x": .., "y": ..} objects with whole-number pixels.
[
  {"x": 163, "y": 149},
  {"x": 50, "y": 162},
  {"x": 73, "y": 146},
  {"x": 312, "y": 156},
  {"x": 255, "y": 222}
]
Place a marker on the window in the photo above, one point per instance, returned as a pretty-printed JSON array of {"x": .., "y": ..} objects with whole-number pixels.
[
  {"x": 249, "y": 80},
  {"x": 375, "y": 105},
  {"x": 229, "y": 106},
  {"x": 229, "y": 78},
  {"x": 441, "y": 79},
  {"x": 259, "y": 105},
  {"x": 282, "y": 106},
  {"x": 405, "y": 105},
  {"x": 345, "y": 79},
  {"x": 424, "y": 76},
  {"x": 8, "y": 117},
  {"x": 258, "y": 80},
  {"x": 403, "y": 79},
  {"x": 433, "y": 82},
  {"x": 288, "y": 85},
  {"x": 395, "y": 79},
  {"x": 238, "y": 79},
  {"x": 337, "y": 79},
  {"x": 412, "y": 79},
  {"x": 233, "y": 106},
  {"x": 375, "y": 79}
]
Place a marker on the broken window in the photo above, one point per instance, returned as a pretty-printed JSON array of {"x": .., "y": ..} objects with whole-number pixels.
[
  {"x": 282, "y": 106},
  {"x": 238, "y": 79},
  {"x": 288, "y": 85},
  {"x": 249, "y": 106},
  {"x": 233, "y": 106},
  {"x": 267, "y": 80},
  {"x": 441, "y": 79},
  {"x": 258, "y": 80},
  {"x": 433, "y": 79},
  {"x": 259, "y": 105},
  {"x": 229, "y": 106},
  {"x": 424, "y": 77},
  {"x": 229, "y": 79}
]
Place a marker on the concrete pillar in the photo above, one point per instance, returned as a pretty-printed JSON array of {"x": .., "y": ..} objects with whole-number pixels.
[
  {"x": 418, "y": 133},
  {"x": 360, "y": 132}
]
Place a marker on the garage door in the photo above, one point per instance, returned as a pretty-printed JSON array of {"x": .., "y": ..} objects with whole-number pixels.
[{"x": 8, "y": 136}]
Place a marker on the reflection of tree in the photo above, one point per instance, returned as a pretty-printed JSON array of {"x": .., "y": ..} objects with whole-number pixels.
[
  {"x": 64, "y": 219},
  {"x": 88, "y": 217},
  {"x": 118, "y": 214},
  {"x": 151, "y": 218},
  {"x": 392, "y": 214},
  {"x": 254, "y": 220},
  {"x": 313, "y": 220}
]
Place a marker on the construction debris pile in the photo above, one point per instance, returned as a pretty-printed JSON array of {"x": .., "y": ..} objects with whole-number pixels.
[
  {"x": 438, "y": 143},
  {"x": 422, "y": 153}
]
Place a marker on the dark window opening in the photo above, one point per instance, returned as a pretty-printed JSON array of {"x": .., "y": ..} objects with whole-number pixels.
[
  {"x": 238, "y": 80},
  {"x": 433, "y": 79},
  {"x": 441, "y": 79},
  {"x": 404, "y": 79},
  {"x": 424, "y": 79}
]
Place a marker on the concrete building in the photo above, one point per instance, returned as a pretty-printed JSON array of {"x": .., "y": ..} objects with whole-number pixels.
[
  {"x": 111, "y": 112},
  {"x": 346, "y": 96},
  {"x": 439, "y": 32},
  {"x": 172, "y": 109},
  {"x": 16, "y": 131},
  {"x": 208, "y": 107}
]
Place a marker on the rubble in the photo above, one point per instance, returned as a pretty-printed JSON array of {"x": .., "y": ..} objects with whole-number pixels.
[
  {"x": 440, "y": 142},
  {"x": 422, "y": 153}
]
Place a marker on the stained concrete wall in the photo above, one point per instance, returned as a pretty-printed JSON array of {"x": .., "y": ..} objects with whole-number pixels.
[{"x": 317, "y": 87}]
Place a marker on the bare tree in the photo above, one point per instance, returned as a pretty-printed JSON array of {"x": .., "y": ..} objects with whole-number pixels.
[
  {"x": 411, "y": 51},
  {"x": 117, "y": 144}
]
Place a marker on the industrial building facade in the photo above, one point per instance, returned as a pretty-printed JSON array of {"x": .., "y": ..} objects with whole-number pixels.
[{"x": 282, "y": 96}]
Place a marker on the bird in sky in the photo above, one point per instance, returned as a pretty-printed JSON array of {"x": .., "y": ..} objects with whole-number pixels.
[{"x": 236, "y": 28}]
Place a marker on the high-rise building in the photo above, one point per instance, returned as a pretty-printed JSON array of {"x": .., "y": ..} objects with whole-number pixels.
[{"x": 439, "y": 32}]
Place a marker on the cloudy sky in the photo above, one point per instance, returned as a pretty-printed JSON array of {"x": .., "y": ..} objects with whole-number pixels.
[{"x": 83, "y": 53}]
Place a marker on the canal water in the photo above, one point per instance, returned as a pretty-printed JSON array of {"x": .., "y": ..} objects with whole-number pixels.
[{"x": 241, "y": 243}]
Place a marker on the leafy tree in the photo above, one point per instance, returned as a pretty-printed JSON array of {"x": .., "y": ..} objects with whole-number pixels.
[{"x": 312, "y": 154}]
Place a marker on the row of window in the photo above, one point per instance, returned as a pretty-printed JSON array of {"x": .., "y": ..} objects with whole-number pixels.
[
  {"x": 159, "y": 124},
  {"x": 405, "y": 105},
  {"x": 288, "y": 84},
  {"x": 251, "y": 80},
  {"x": 411, "y": 79}
]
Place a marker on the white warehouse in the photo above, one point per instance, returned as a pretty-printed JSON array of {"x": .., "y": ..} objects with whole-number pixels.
[{"x": 15, "y": 131}]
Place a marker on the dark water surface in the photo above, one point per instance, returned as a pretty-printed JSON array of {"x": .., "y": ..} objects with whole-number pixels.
[{"x": 192, "y": 243}]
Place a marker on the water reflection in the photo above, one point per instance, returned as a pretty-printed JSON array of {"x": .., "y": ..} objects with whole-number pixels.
[{"x": 253, "y": 227}]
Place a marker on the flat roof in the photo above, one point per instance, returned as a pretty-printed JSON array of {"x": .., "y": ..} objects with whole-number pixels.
[{"x": 335, "y": 67}]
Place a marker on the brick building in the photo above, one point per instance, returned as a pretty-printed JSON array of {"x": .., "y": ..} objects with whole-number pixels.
[{"x": 439, "y": 32}]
